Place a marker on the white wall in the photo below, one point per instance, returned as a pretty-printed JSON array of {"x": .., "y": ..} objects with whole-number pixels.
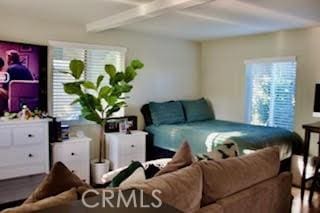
[
  {"x": 223, "y": 70},
  {"x": 171, "y": 65}
]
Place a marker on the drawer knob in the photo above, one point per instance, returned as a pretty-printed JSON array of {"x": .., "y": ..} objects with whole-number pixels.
[
  {"x": 30, "y": 136},
  {"x": 132, "y": 146},
  {"x": 72, "y": 153},
  {"x": 30, "y": 155}
]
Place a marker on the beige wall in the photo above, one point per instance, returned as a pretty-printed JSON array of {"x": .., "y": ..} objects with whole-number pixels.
[
  {"x": 171, "y": 65},
  {"x": 223, "y": 70}
]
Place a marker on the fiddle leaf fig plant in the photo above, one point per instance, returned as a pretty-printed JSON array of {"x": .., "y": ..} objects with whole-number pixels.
[{"x": 99, "y": 101}]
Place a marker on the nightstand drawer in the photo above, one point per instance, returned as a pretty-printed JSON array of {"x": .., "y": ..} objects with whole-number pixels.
[
  {"x": 28, "y": 135},
  {"x": 124, "y": 148},
  {"x": 131, "y": 147},
  {"x": 79, "y": 168},
  {"x": 125, "y": 160},
  {"x": 75, "y": 154},
  {"x": 70, "y": 152}
]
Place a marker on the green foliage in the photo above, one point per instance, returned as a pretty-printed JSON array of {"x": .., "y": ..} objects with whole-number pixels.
[
  {"x": 73, "y": 88},
  {"x": 76, "y": 67},
  {"x": 89, "y": 85},
  {"x": 99, "y": 80},
  {"x": 108, "y": 99},
  {"x": 110, "y": 69}
]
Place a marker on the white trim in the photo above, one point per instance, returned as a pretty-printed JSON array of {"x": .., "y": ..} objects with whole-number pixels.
[
  {"x": 316, "y": 115},
  {"x": 142, "y": 12},
  {"x": 63, "y": 44},
  {"x": 272, "y": 59}
]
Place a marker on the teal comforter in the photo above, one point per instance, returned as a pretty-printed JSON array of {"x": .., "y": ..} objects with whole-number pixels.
[{"x": 204, "y": 136}]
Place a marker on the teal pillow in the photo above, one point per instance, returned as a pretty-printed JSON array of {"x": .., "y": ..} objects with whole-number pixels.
[
  {"x": 197, "y": 110},
  {"x": 166, "y": 113}
]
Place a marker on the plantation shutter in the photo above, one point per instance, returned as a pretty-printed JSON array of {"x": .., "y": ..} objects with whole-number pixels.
[
  {"x": 94, "y": 58},
  {"x": 270, "y": 99}
]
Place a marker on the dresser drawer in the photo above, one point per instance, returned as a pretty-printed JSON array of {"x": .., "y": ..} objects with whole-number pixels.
[
  {"x": 28, "y": 135},
  {"x": 70, "y": 152},
  {"x": 21, "y": 156},
  {"x": 6, "y": 138}
]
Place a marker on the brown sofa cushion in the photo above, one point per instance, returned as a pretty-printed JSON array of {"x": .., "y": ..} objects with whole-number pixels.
[
  {"x": 60, "y": 179},
  {"x": 273, "y": 195},
  {"x": 182, "y": 158},
  {"x": 225, "y": 177},
  {"x": 212, "y": 208},
  {"x": 61, "y": 199},
  {"x": 181, "y": 189}
]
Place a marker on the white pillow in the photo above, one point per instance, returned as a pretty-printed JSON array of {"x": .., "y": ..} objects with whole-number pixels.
[
  {"x": 162, "y": 162},
  {"x": 137, "y": 176}
]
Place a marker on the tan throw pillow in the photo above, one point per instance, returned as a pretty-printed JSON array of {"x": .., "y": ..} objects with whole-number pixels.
[
  {"x": 181, "y": 189},
  {"x": 61, "y": 199},
  {"x": 60, "y": 179},
  {"x": 182, "y": 158},
  {"x": 223, "y": 178}
]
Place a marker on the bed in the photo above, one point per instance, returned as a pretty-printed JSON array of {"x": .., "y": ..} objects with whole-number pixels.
[{"x": 204, "y": 136}]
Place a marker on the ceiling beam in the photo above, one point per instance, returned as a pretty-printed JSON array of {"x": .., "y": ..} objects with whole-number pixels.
[{"x": 142, "y": 12}]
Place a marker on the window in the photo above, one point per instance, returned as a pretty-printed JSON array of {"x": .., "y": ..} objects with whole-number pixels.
[
  {"x": 94, "y": 57},
  {"x": 270, "y": 88}
]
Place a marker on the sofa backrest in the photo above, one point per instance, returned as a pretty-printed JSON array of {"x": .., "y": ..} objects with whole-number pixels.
[
  {"x": 226, "y": 177},
  {"x": 181, "y": 189}
]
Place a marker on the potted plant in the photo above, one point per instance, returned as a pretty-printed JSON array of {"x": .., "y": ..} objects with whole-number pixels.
[{"x": 99, "y": 101}]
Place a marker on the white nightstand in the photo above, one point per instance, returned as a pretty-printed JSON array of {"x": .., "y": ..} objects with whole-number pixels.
[
  {"x": 123, "y": 148},
  {"x": 75, "y": 154}
]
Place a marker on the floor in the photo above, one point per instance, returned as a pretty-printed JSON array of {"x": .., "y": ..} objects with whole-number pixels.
[
  {"x": 14, "y": 191},
  {"x": 304, "y": 207}
]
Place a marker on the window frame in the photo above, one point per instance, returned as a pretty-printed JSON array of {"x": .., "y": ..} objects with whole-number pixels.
[
  {"x": 248, "y": 92},
  {"x": 63, "y": 44}
]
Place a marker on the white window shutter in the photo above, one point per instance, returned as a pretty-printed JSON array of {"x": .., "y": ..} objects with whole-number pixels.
[
  {"x": 94, "y": 59},
  {"x": 271, "y": 92}
]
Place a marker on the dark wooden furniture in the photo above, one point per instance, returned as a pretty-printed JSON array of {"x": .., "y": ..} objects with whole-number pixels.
[
  {"x": 14, "y": 191},
  {"x": 309, "y": 129},
  {"x": 142, "y": 200},
  {"x": 316, "y": 180}
]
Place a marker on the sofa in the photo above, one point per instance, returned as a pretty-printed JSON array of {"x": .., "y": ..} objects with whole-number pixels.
[{"x": 248, "y": 184}]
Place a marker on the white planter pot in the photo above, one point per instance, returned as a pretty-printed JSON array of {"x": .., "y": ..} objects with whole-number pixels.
[{"x": 98, "y": 170}]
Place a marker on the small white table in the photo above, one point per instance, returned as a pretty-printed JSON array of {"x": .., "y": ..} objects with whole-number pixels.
[
  {"x": 75, "y": 154},
  {"x": 123, "y": 148}
]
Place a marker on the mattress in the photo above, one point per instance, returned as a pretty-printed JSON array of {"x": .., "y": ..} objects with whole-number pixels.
[{"x": 204, "y": 136}]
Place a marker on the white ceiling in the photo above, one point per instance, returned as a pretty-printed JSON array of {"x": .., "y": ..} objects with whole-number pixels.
[{"x": 212, "y": 19}]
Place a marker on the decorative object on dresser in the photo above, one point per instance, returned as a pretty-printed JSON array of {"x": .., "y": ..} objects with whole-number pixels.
[
  {"x": 124, "y": 148},
  {"x": 100, "y": 100},
  {"x": 24, "y": 148},
  {"x": 75, "y": 154}
]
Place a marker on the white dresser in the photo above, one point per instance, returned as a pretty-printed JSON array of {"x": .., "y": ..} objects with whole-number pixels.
[
  {"x": 75, "y": 154},
  {"x": 24, "y": 148},
  {"x": 123, "y": 148}
]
